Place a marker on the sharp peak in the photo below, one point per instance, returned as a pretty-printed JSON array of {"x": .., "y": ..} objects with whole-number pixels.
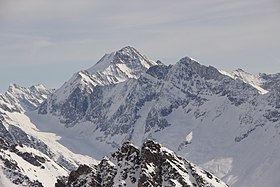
[
  {"x": 193, "y": 63},
  {"x": 128, "y": 144},
  {"x": 188, "y": 58},
  {"x": 151, "y": 142},
  {"x": 126, "y": 55},
  {"x": 190, "y": 62},
  {"x": 127, "y": 48},
  {"x": 148, "y": 143}
]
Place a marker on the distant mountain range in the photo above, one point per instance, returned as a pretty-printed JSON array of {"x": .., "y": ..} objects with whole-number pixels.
[{"x": 225, "y": 122}]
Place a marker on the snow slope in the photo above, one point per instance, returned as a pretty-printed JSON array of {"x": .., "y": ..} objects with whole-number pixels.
[{"x": 255, "y": 80}]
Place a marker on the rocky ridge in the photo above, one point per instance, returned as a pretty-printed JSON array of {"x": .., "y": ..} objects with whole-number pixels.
[{"x": 150, "y": 165}]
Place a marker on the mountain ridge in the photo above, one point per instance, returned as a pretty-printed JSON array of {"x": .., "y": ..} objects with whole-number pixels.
[
  {"x": 150, "y": 165},
  {"x": 21, "y": 99},
  {"x": 125, "y": 64},
  {"x": 125, "y": 56},
  {"x": 215, "y": 120}
]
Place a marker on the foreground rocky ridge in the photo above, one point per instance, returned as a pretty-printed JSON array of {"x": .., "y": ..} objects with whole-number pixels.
[{"x": 152, "y": 165}]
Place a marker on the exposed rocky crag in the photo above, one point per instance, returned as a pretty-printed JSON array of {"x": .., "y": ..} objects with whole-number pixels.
[{"x": 150, "y": 165}]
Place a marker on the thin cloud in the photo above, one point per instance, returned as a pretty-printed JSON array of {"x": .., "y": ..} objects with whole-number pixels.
[{"x": 68, "y": 33}]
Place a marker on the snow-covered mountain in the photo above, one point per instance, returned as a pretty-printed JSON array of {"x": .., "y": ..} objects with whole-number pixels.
[
  {"x": 20, "y": 99},
  {"x": 209, "y": 117},
  {"x": 113, "y": 68},
  {"x": 227, "y": 123},
  {"x": 29, "y": 157},
  {"x": 152, "y": 165}
]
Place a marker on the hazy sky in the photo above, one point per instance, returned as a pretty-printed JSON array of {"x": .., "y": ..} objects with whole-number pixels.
[{"x": 46, "y": 41}]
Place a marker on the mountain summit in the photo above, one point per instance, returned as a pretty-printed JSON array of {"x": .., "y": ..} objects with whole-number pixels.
[
  {"x": 122, "y": 64},
  {"x": 119, "y": 66}
]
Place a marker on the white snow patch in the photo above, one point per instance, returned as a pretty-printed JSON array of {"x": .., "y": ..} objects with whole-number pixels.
[
  {"x": 49, "y": 130},
  {"x": 246, "y": 77},
  {"x": 102, "y": 64},
  {"x": 221, "y": 167},
  {"x": 189, "y": 137}
]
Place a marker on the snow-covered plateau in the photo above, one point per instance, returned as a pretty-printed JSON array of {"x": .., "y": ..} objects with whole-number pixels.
[{"x": 225, "y": 122}]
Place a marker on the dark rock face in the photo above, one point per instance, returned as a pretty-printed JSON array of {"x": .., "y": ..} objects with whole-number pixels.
[
  {"x": 271, "y": 81},
  {"x": 83, "y": 170},
  {"x": 5, "y": 137},
  {"x": 159, "y": 72},
  {"x": 75, "y": 107},
  {"x": 31, "y": 158},
  {"x": 151, "y": 158},
  {"x": 152, "y": 165}
]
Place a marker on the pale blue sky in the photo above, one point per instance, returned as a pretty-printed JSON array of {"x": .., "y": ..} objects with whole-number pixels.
[{"x": 46, "y": 41}]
